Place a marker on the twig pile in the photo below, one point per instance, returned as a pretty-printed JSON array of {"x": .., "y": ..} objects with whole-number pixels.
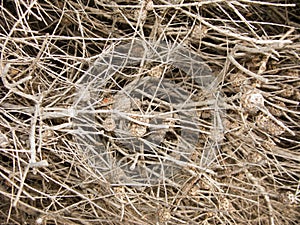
[{"x": 58, "y": 107}]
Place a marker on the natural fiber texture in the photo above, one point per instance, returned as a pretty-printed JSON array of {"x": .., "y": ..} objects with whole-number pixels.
[
  {"x": 150, "y": 118},
  {"x": 149, "y": 112}
]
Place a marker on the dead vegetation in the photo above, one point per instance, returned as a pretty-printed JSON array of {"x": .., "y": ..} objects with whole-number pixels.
[{"x": 47, "y": 168}]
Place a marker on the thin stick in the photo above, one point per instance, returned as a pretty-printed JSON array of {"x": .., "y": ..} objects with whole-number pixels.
[
  {"x": 15, "y": 203},
  {"x": 248, "y": 72}
]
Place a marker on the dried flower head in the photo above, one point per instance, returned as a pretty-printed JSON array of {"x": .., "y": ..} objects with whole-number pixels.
[
  {"x": 149, "y": 5},
  {"x": 268, "y": 125},
  {"x": 238, "y": 80},
  {"x": 225, "y": 204},
  {"x": 164, "y": 215},
  {"x": 47, "y": 135},
  {"x": 290, "y": 198},
  {"x": 277, "y": 111},
  {"x": 252, "y": 101},
  {"x": 109, "y": 124},
  {"x": 156, "y": 71},
  {"x": 254, "y": 157},
  {"x": 136, "y": 129},
  {"x": 287, "y": 91}
]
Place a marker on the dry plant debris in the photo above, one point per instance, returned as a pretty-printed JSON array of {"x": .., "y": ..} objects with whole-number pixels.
[{"x": 244, "y": 172}]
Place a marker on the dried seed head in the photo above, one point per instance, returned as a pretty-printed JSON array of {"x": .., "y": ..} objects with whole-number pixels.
[
  {"x": 204, "y": 184},
  {"x": 157, "y": 71},
  {"x": 297, "y": 95},
  {"x": 119, "y": 192},
  {"x": 109, "y": 124},
  {"x": 268, "y": 125},
  {"x": 47, "y": 135},
  {"x": 287, "y": 90},
  {"x": 136, "y": 129},
  {"x": 252, "y": 101},
  {"x": 268, "y": 144},
  {"x": 149, "y": 5},
  {"x": 199, "y": 31},
  {"x": 254, "y": 157},
  {"x": 290, "y": 198},
  {"x": 275, "y": 111},
  {"x": 225, "y": 204},
  {"x": 293, "y": 73},
  {"x": 273, "y": 65},
  {"x": 238, "y": 80},
  {"x": 164, "y": 215}
]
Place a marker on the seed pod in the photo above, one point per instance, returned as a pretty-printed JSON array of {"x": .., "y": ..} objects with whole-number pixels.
[
  {"x": 252, "y": 101},
  {"x": 109, "y": 124},
  {"x": 268, "y": 125}
]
